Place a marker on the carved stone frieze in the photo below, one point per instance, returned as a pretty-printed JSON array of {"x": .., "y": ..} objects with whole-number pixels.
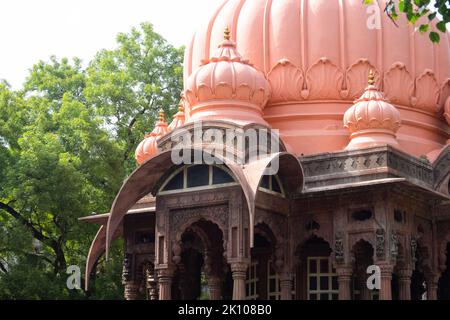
[
  {"x": 380, "y": 240},
  {"x": 218, "y": 214},
  {"x": 339, "y": 248},
  {"x": 372, "y": 163}
]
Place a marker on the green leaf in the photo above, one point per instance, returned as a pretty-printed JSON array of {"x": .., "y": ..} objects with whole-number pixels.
[
  {"x": 424, "y": 28},
  {"x": 431, "y": 16},
  {"x": 434, "y": 37},
  {"x": 441, "y": 26}
]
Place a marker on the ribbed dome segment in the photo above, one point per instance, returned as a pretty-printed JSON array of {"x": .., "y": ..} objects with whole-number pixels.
[
  {"x": 226, "y": 86},
  {"x": 372, "y": 120},
  {"x": 447, "y": 111},
  {"x": 316, "y": 55},
  {"x": 148, "y": 148}
]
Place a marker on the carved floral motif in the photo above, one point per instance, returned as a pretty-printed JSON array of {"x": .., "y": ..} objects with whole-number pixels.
[{"x": 286, "y": 81}]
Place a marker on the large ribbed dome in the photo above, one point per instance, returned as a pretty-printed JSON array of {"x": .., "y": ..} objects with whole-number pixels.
[{"x": 316, "y": 55}]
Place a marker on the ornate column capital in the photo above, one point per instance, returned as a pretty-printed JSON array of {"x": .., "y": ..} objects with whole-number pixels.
[
  {"x": 386, "y": 269},
  {"x": 131, "y": 290},
  {"x": 404, "y": 274},
  {"x": 165, "y": 275},
  {"x": 344, "y": 271},
  {"x": 239, "y": 267}
]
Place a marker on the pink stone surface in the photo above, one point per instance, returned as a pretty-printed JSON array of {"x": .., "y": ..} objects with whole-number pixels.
[{"x": 316, "y": 55}]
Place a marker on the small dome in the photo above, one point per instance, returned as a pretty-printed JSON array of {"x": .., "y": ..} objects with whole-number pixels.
[
  {"x": 148, "y": 148},
  {"x": 178, "y": 119},
  {"x": 226, "y": 86},
  {"x": 372, "y": 120}
]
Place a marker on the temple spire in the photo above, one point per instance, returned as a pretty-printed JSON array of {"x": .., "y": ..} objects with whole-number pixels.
[
  {"x": 371, "y": 77},
  {"x": 227, "y": 34}
]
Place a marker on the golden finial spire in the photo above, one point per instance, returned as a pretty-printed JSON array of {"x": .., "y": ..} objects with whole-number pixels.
[
  {"x": 180, "y": 107},
  {"x": 226, "y": 34},
  {"x": 161, "y": 115},
  {"x": 371, "y": 78}
]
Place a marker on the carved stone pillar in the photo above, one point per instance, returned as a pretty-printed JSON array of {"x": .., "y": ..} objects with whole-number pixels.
[
  {"x": 344, "y": 274},
  {"x": 239, "y": 273},
  {"x": 404, "y": 283},
  {"x": 432, "y": 280},
  {"x": 286, "y": 287},
  {"x": 386, "y": 278},
  {"x": 131, "y": 290},
  {"x": 215, "y": 288},
  {"x": 165, "y": 277}
]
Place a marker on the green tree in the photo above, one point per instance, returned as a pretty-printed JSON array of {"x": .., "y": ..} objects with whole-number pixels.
[
  {"x": 437, "y": 13},
  {"x": 66, "y": 144},
  {"x": 128, "y": 85}
]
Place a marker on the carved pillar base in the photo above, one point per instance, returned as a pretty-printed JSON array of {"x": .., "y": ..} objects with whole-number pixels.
[
  {"x": 239, "y": 273},
  {"x": 432, "y": 280},
  {"x": 131, "y": 290},
  {"x": 404, "y": 282},
  {"x": 286, "y": 287},
  {"x": 386, "y": 278},
  {"x": 215, "y": 288},
  {"x": 165, "y": 284},
  {"x": 344, "y": 274}
]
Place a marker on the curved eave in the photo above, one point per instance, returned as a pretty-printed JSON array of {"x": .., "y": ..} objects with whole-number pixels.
[{"x": 144, "y": 179}]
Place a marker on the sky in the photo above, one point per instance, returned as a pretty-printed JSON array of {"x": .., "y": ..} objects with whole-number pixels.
[{"x": 33, "y": 30}]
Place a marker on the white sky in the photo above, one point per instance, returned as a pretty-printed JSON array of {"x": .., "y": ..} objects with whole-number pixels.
[{"x": 33, "y": 30}]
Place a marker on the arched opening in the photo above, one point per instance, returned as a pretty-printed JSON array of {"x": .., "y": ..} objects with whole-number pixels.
[
  {"x": 200, "y": 269},
  {"x": 316, "y": 277},
  {"x": 363, "y": 258},
  {"x": 262, "y": 282},
  {"x": 444, "y": 281}
]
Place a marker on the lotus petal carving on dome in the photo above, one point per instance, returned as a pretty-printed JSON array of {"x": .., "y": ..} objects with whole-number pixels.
[
  {"x": 243, "y": 92},
  {"x": 223, "y": 91},
  {"x": 427, "y": 92},
  {"x": 356, "y": 77},
  {"x": 204, "y": 92},
  {"x": 286, "y": 81},
  {"x": 324, "y": 80},
  {"x": 444, "y": 94},
  {"x": 398, "y": 84}
]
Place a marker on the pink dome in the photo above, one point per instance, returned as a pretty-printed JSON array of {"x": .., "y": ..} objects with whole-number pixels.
[
  {"x": 372, "y": 120},
  {"x": 179, "y": 118},
  {"x": 226, "y": 86},
  {"x": 316, "y": 54},
  {"x": 148, "y": 148}
]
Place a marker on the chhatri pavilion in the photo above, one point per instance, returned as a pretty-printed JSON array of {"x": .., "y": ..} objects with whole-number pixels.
[{"x": 356, "y": 121}]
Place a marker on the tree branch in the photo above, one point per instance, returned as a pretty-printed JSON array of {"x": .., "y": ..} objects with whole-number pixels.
[{"x": 60, "y": 262}]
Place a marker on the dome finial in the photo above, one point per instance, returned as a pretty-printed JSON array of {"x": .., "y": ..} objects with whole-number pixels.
[
  {"x": 161, "y": 115},
  {"x": 180, "y": 107},
  {"x": 226, "y": 34},
  {"x": 371, "y": 78}
]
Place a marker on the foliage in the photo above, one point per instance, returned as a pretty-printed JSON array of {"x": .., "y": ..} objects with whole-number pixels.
[
  {"x": 66, "y": 144},
  {"x": 431, "y": 16}
]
